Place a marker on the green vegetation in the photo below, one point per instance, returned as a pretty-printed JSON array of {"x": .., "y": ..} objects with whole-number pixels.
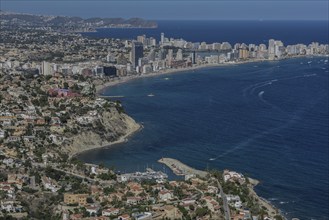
[{"x": 107, "y": 176}]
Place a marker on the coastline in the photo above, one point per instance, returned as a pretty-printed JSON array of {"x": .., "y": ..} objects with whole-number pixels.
[
  {"x": 180, "y": 169},
  {"x": 262, "y": 201},
  {"x": 117, "y": 81},
  {"x": 100, "y": 89},
  {"x": 122, "y": 139},
  {"x": 99, "y": 28},
  {"x": 135, "y": 129},
  {"x": 120, "y": 80}
]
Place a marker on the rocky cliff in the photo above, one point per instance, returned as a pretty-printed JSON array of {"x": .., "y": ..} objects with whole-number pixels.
[{"x": 112, "y": 127}]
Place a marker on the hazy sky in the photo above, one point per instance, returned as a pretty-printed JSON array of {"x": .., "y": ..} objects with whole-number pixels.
[{"x": 173, "y": 9}]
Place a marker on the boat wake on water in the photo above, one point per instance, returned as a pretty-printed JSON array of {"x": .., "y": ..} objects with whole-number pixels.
[
  {"x": 296, "y": 117},
  {"x": 256, "y": 86},
  {"x": 260, "y": 95},
  {"x": 262, "y": 85},
  {"x": 293, "y": 119}
]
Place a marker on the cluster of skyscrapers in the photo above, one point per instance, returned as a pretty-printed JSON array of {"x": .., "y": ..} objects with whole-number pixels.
[
  {"x": 145, "y": 55},
  {"x": 176, "y": 53}
]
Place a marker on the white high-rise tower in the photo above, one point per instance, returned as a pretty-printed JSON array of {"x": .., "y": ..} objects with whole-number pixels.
[{"x": 162, "y": 38}]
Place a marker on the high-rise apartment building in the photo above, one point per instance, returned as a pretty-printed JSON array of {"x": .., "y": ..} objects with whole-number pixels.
[
  {"x": 46, "y": 68},
  {"x": 271, "y": 49},
  {"x": 179, "y": 54},
  {"x": 136, "y": 53}
]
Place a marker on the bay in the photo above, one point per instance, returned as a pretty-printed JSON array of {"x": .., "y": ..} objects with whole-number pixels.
[{"x": 266, "y": 119}]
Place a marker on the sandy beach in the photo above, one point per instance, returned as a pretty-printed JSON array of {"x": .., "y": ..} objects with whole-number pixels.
[{"x": 120, "y": 80}]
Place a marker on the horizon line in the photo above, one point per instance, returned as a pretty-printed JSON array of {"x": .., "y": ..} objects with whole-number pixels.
[{"x": 166, "y": 19}]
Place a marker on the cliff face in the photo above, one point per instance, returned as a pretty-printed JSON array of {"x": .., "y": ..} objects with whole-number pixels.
[{"x": 115, "y": 128}]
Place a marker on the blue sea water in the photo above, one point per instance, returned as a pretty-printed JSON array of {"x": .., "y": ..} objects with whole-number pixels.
[
  {"x": 290, "y": 32},
  {"x": 266, "y": 119}
]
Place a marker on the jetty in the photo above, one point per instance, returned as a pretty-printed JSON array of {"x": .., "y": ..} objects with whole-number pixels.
[
  {"x": 113, "y": 96},
  {"x": 181, "y": 169}
]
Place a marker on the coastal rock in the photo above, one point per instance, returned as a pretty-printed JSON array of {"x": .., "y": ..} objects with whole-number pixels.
[{"x": 116, "y": 128}]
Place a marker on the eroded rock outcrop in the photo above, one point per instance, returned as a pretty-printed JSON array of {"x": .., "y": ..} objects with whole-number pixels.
[{"x": 112, "y": 127}]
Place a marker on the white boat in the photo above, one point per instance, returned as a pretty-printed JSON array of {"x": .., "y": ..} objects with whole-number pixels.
[{"x": 150, "y": 95}]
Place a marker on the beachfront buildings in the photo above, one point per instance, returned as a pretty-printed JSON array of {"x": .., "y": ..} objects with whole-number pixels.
[{"x": 136, "y": 53}]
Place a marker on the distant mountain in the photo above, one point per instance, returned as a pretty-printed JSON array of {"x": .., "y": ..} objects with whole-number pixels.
[{"x": 21, "y": 20}]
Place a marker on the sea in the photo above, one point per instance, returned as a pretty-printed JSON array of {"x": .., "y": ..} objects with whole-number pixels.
[
  {"x": 249, "y": 32},
  {"x": 268, "y": 120}
]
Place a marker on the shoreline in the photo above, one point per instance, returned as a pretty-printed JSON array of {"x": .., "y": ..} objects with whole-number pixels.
[
  {"x": 125, "y": 79},
  {"x": 120, "y": 140},
  {"x": 95, "y": 30},
  {"x": 181, "y": 169},
  {"x": 262, "y": 201},
  {"x": 121, "y": 80}
]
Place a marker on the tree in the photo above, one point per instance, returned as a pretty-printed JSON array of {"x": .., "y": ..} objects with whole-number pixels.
[
  {"x": 90, "y": 200},
  {"x": 23, "y": 97},
  {"x": 43, "y": 100},
  {"x": 201, "y": 211},
  {"x": 29, "y": 130},
  {"x": 129, "y": 194},
  {"x": 278, "y": 217},
  {"x": 65, "y": 85},
  {"x": 108, "y": 190},
  {"x": 107, "y": 176}
]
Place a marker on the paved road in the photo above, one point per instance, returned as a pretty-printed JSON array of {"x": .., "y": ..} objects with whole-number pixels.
[
  {"x": 225, "y": 204},
  {"x": 108, "y": 182}
]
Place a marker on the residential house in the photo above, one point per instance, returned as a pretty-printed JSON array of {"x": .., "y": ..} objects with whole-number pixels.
[
  {"x": 133, "y": 200},
  {"x": 76, "y": 216},
  {"x": 187, "y": 202},
  {"x": 16, "y": 179},
  {"x": 135, "y": 188},
  {"x": 10, "y": 206},
  {"x": 234, "y": 200},
  {"x": 8, "y": 189},
  {"x": 212, "y": 189},
  {"x": 2, "y": 134},
  {"x": 165, "y": 195},
  {"x": 124, "y": 217},
  {"x": 80, "y": 199},
  {"x": 143, "y": 216},
  {"x": 92, "y": 210},
  {"x": 50, "y": 184},
  {"x": 233, "y": 177},
  {"x": 111, "y": 212}
]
